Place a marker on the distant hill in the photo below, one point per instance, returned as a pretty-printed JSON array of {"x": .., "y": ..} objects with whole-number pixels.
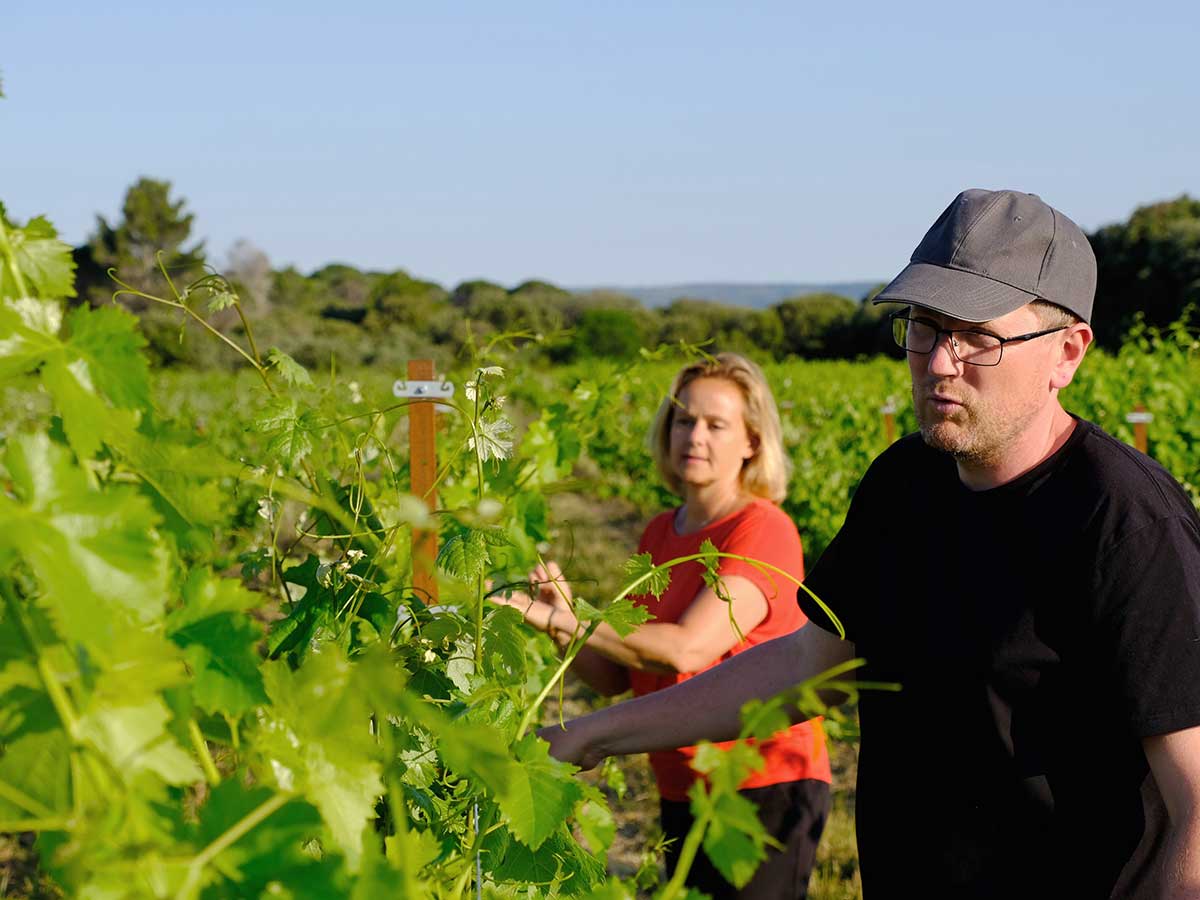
[{"x": 758, "y": 296}]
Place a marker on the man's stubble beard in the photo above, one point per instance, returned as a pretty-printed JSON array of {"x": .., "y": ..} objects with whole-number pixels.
[{"x": 972, "y": 436}]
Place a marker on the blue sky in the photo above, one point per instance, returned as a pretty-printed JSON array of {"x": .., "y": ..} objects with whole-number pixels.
[{"x": 603, "y": 143}]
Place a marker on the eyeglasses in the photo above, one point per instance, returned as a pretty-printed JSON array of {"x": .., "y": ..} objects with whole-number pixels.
[{"x": 969, "y": 345}]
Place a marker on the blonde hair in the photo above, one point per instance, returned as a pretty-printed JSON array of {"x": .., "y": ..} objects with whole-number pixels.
[
  {"x": 765, "y": 474},
  {"x": 1051, "y": 315}
]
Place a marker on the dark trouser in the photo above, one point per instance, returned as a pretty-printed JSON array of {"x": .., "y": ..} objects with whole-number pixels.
[{"x": 794, "y": 813}]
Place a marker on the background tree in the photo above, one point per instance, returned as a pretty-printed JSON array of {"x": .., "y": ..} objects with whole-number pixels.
[
  {"x": 612, "y": 333},
  {"x": 539, "y": 306},
  {"x": 399, "y": 299},
  {"x": 150, "y": 222},
  {"x": 1150, "y": 264},
  {"x": 810, "y": 322},
  {"x": 867, "y": 332},
  {"x": 250, "y": 270},
  {"x": 343, "y": 291}
]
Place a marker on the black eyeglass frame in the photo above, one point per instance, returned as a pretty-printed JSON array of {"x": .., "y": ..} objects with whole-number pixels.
[{"x": 951, "y": 332}]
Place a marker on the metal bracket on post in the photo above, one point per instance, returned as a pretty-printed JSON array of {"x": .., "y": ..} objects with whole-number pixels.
[{"x": 423, "y": 390}]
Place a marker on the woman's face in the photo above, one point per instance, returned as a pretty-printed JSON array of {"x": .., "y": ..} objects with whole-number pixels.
[{"x": 709, "y": 441}]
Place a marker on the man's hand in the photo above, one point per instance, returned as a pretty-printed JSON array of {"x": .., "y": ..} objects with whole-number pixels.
[{"x": 570, "y": 744}]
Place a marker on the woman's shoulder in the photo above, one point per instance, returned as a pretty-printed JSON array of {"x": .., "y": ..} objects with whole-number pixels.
[
  {"x": 761, "y": 519},
  {"x": 763, "y": 512},
  {"x": 660, "y": 525}
]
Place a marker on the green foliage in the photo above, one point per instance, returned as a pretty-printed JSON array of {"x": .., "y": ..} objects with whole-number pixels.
[
  {"x": 95, "y": 552},
  {"x": 649, "y": 578},
  {"x": 36, "y": 262},
  {"x": 145, "y": 730},
  {"x": 161, "y": 747},
  {"x": 219, "y": 643},
  {"x": 151, "y": 223},
  {"x": 1148, "y": 266},
  {"x": 289, "y": 370},
  {"x": 809, "y": 322}
]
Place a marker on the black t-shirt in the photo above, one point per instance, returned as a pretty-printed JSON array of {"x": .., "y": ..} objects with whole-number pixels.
[{"x": 1040, "y": 630}]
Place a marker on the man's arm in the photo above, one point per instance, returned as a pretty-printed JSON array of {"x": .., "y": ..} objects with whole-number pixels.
[
  {"x": 702, "y": 708},
  {"x": 1175, "y": 761}
]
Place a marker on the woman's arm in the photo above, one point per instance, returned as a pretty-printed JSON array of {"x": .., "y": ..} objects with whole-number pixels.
[
  {"x": 550, "y": 612},
  {"x": 703, "y": 633}
]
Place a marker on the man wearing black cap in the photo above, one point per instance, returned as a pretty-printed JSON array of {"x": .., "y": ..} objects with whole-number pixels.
[{"x": 1032, "y": 583}]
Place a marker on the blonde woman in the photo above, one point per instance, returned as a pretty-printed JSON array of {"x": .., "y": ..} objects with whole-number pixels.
[{"x": 716, "y": 441}]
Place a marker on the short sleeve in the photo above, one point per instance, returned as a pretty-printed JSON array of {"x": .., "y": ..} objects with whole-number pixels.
[
  {"x": 769, "y": 536},
  {"x": 1147, "y": 590}
]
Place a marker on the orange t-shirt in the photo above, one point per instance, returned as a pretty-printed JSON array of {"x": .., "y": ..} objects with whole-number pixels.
[{"x": 760, "y": 530}]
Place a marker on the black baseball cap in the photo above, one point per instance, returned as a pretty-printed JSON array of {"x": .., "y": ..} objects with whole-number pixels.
[{"x": 991, "y": 252}]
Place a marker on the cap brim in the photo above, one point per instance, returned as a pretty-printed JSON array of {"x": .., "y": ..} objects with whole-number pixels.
[{"x": 963, "y": 295}]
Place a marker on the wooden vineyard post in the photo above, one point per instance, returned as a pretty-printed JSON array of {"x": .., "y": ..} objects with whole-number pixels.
[
  {"x": 1139, "y": 418},
  {"x": 889, "y": 420},
  {"x": 422, "y": 467}
]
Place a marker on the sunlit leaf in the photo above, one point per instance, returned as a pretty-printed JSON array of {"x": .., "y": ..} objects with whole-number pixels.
[
  {"x": 641, "y": 566},
  {"x": 318, "y": 729},
  {"x": 46, "y": 263},
  {"x": 95, "y": 554},
  {"x": 290, "y": 430},
  {"x": 219, "y": 641},
  {"x": 289, "y": 370},
  {"x": 135, "y": 740}
]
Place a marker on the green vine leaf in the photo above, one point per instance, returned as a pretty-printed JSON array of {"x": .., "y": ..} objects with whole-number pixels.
[
  {"x": 100, "y": 366},
  {"x": 28, "y": 333},
  {"x": 96, "y": 555},
  {"x": 109, "y": 342},
  {"x": 317, "y": 734},
  {"x": 135, "y": 740},
  {"x": 290, "y": 430},
  {"x": 219, "y": 643},
  {"x": 271, "y": 853},
  {"x": 46, "y": 263},
  {"x": 541, "y": 796},
  {"x": 642, "y": 565},
  {"x": 624, "y": 616},
  {"x": 494, "y": 439},
  {"x": 465, "y": 555},
  {"x": 222, "y": 300},
  {"x": 289, "y": 370},
  {"x": 35, "y": 776}
]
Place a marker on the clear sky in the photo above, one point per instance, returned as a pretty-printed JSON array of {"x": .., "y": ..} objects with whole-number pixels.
[{"x": 594, "y": 143}]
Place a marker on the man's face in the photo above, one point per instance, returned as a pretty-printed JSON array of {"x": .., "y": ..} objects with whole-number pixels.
[{"x": 977, "y": 413}]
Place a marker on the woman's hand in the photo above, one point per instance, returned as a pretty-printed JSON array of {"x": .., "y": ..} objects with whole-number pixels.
[{"x": 549, "y": 608}]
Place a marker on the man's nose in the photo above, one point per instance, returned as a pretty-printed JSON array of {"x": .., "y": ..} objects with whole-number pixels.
[{"x": 942, "y": 359}]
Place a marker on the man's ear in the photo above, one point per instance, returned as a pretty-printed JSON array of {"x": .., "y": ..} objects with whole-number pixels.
[{"x": 1071, "y": 349}]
